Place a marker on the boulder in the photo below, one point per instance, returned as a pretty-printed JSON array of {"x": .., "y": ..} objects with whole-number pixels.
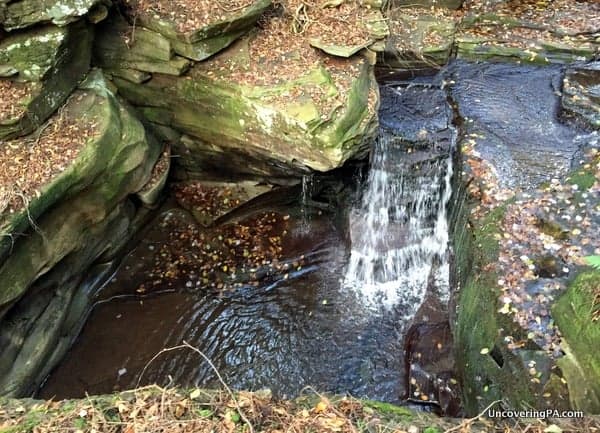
[
  {"x": 41, "y": 67},
  {"x": 25, "y": 13},
  {"x": 128, "y": 53},
  {"x": 245, "y": 120},
  {"x": 581, "y": 94}
]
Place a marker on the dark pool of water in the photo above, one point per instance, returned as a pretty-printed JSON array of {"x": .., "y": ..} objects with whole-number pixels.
[{"x": 287, "y": 333}]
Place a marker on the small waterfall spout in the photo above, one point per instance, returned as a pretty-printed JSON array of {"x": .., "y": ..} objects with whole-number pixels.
[
  {"x": 399, "y": 233},
  {"x": 307, "y": 187}
]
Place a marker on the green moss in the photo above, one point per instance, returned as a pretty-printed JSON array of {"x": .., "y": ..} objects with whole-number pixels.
[
  {"x": 584, "y": 179},
  {"x": 581, "y": 337},
  {"x": 488, "y": 370},
  {"x": 389, "y": 409}
]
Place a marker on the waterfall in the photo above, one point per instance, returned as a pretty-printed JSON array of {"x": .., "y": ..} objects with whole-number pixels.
[
  {"x": 307, "y": 186},
  {"x": 399, "y": 232}
]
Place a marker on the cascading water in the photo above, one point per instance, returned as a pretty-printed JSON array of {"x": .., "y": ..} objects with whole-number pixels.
[
  {"x": 307, "y": 185},
  {"x": 399, "y": 233}
]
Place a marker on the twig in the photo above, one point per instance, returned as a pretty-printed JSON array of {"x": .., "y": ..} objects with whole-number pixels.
[
  {"x": 469, "y": 421},
  {"x": 186, "y": 345}
]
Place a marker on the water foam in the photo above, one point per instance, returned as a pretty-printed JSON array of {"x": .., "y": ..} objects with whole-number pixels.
[{"x": 399, "y": 232}]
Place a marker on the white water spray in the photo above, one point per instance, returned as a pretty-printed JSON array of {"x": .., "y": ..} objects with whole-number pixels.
[{"x": 400, "y": 231}]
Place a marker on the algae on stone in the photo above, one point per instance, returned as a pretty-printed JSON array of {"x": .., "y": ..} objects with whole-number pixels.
[
  {"x": 30, "y": 55},
  {"x": 256, "y": 130}
]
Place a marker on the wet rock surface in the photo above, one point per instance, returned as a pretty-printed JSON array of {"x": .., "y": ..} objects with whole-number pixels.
[
  {"x": 581, "y": 93},
  {"x": 533, "y": 226},
  {"x": 511, "y": 113}
]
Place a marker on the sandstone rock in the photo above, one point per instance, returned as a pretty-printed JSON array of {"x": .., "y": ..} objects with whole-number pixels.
[
  {"x": 120, "y": 48},
  {"x": 115, "y": 162},
  {"x": 419, "y": 39},
  {"x": 198, "y": 42},
  {"x": 369, "y": 21},
  {"x": 317, "y": 119},
  {"x": 46, "y": 64},
  {"x": 25, "y": 13}
]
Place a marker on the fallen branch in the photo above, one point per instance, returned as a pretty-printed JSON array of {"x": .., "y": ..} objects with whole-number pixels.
[{"x": 186, "y": 345}]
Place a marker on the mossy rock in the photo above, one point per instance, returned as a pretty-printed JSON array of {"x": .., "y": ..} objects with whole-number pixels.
[
  {"x": 260, "y": 131},
  {"x": 488, "y": 370},
  {"x": 36, "y": 333},
  {"x": 55, "y": 60},
  {"x": 491, "y": 37},
  {"x": 119, "y": 47},
  {"x": 581, "y": 337},
  {"x": 114, "y": 163},
  {"x": 30, "y": 55},
  {"x": 200, "y": 43},
  {"x": 418, "y": 43},
  {"x": 25, "y": 13}
]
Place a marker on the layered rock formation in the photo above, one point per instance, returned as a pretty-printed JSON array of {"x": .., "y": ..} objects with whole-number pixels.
[
  {"x": 507, "y": 31},
  {"x": 270, "y": 106}
]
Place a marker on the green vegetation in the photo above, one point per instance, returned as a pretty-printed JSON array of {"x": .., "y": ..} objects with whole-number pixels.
[
  {"x": 576, "y": 314},
  {"x": 489, "y": 370}
]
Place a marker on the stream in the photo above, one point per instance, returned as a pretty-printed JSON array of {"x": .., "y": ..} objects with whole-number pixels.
[{"x": 356, "y": 299}]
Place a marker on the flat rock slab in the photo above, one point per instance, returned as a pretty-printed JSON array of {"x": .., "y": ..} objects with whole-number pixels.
[
  {"x": 49, "y": 62},
  {"x": 25, "y": 13},
  {"x": 512, "y": 113},
  {"x": 204, "y": 29},
  {"x": 561, "y": 31},
  {"x": 341, "y": 28},
  {"x": 209, "y": 200},
  {"x": 419, "y": 38}
]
